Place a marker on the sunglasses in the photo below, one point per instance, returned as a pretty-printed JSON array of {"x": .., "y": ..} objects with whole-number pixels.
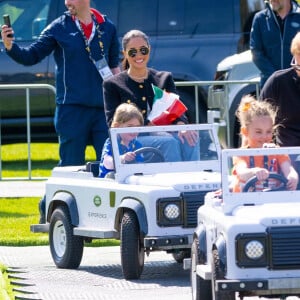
[
  {"x": 294, "y": 65},
  {"x": 133, "y": 52}
]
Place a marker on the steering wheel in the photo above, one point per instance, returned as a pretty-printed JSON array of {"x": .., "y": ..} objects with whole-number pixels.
[
  {"x": 251, "y": 182},
  {"x": 152, "y": 154}
]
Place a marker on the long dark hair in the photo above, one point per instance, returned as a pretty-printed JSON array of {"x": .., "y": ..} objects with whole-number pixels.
[{"x": 127, "y": 37}]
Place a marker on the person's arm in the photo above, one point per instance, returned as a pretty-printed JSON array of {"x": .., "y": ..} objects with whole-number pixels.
[
  {"x": 269, "y": 91},
  {"x": 114, "y": 49},
  {"x": 33, "y": 54},
  {"x": 108, "y": 162},
  {"x": 290, "y": 174},
  {"x": 111, "y": 99},
  {"x": 244, "y": 173},
  {"x": 257, "y": 47}
]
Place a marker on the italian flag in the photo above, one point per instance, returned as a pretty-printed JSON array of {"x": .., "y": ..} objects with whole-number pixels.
[{"x": 166, "y": 107}]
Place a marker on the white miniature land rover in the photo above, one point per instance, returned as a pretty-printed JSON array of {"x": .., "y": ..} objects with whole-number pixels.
[
  {"x": 150, "y": 205},
  {"x": 248, "y": 243}
]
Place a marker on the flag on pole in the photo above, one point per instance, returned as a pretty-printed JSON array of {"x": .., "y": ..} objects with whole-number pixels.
[{"x": 166, "y": 107}]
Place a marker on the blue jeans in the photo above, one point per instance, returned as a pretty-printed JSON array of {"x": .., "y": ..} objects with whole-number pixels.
[
  {"x": 78, "y": 126},
  {"x": 165, "y": 143},
  {"x": 172, "y": 148}
]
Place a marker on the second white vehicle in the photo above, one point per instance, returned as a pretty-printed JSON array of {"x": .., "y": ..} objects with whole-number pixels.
[{"x": 248, "y": 242}]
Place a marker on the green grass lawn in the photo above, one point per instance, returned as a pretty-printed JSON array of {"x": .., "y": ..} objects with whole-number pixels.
[
  {"x": 17, "y": 214},
  {"x": 44, "y": 157}
]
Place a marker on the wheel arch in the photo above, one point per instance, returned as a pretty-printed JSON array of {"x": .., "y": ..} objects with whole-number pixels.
[
  {"x": 139, "y": 209},
  {"x": 67, "y": 199},
  {"x": 200, "y": 234},
  {"x": 220, "y": 246}
]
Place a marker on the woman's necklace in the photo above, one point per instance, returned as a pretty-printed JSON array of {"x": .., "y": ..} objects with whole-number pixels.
[{"x": 138, "y": 78}]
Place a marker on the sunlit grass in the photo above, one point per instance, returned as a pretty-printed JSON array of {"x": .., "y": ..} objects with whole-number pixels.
[
  {"x": 6, "y": 289},
  {"x": 16, "y": 216},
  {"x": 44, "y": 157}
]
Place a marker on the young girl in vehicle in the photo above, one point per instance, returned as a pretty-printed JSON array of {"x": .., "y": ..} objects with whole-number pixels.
[
  {"x": 257, "y": 120},
  {"x": 126, "y": 115}
]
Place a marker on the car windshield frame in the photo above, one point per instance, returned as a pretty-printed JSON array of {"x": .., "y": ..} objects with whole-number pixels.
[
  {"x": 209, "y": 163},
  {"x": 232, "y": 199}
]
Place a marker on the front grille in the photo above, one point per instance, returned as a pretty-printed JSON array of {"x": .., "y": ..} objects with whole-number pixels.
[
  {"x": 191, "y": 202},
  {"x": 284, "y": 247}
]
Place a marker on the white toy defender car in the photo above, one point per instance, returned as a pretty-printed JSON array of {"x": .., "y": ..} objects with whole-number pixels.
[
  {"x": 248, "y": 242},
  {"x": 150, "y": 205}
]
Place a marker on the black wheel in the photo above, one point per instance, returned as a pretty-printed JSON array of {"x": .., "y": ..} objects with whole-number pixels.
[
  {"x": 250, "y": 184},
  {"x": 131, "y": 246},
  {"x": 150, "y": 154},
  {"x": 218, "y": 273},
  {"x": 201, "y": 289},
  {"x": 66, "y": 249},
  {"x": 180, "y": 255}
]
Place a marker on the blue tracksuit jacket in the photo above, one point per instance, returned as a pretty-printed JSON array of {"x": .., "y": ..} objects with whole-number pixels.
[
  {"x": 77, "y": 78},
  {"x": 271, "y": 49}
]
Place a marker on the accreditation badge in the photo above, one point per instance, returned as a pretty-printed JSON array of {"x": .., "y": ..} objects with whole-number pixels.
[{"x": 104, "y": 69}]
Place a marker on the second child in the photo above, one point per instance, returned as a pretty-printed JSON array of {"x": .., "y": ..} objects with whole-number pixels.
[
  {"x": 126, "y": 115},
  {"x": 257, "y": 128}
]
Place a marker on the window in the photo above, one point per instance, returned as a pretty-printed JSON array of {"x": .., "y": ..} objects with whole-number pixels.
[{"x": 28, "y": 18}]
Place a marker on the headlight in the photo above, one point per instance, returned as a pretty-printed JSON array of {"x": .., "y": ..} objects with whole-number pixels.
[
  {"x": 172, "y": 211},
  {"x": 254, "y": 249},
  {"x": 169, "y": 211}
]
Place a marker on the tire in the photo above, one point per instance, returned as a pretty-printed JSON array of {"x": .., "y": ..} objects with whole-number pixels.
[
  {"x": 131, "y": 246},
  {"x": 181, "y": 255},
  {"x": 66, "y": 249},
  {"x": 201, "y": 289},
  {"x": 219, "y": 274}
]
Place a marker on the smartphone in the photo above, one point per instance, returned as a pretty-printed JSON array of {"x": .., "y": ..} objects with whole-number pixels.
[{"x": 6, "y": 20}]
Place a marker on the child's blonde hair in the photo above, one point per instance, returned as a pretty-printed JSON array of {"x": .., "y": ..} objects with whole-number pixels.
[
  {"x": 126, "y": 112},
  {"x": 295, "y": 44},
  {"x": 250, "y": 108}
]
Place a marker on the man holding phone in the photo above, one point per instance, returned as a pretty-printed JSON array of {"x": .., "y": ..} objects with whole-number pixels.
[
  {"x": 86, "y": 51},
  {"x": 86, "y": 48}
]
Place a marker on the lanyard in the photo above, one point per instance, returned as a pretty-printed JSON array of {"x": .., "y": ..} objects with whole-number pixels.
[{"x": 87, "y": 41}]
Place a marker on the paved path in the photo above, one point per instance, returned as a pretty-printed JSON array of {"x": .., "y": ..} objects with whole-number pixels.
[
  {"x": 19, "y": 188},
  {"x": 98, "y": 277}
]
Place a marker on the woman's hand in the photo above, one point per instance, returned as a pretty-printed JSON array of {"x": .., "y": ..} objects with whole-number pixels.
[{"x": 190, "y": 136}]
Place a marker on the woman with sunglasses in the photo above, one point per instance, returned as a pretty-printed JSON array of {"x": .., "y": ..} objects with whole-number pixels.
[{"x": 134, "y": 85}]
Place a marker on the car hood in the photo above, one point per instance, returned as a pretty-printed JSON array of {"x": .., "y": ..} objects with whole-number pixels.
[
  {"x": 235, "y": 59},
  {"x": 270, "y": 214},
  {"x": 183, "y": 182}
]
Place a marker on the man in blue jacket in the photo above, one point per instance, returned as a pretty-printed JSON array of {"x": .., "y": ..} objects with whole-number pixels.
[
  {"x": 271, "y": 34},
  {"x": 86, "y": 51}
]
